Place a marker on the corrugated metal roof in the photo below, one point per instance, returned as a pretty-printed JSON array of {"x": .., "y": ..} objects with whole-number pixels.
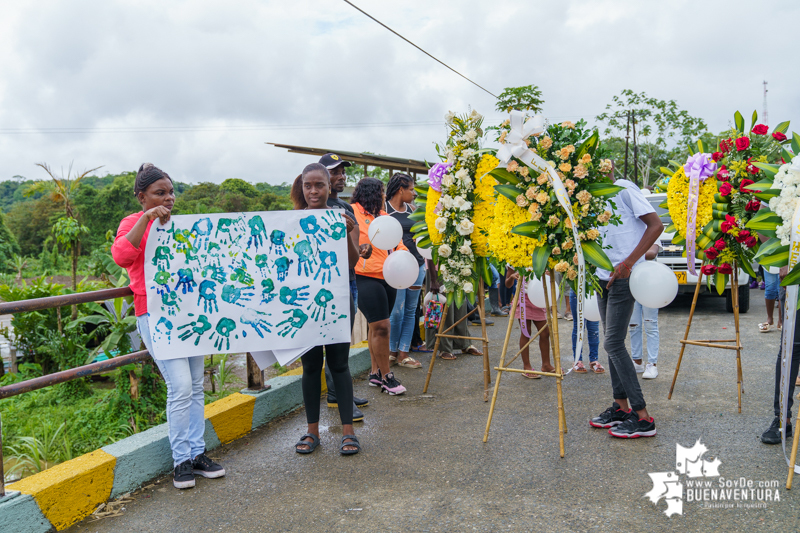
[{"x": 382, "y": 161}]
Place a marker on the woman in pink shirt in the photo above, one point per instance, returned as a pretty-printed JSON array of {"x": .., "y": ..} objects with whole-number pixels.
[{"x": 183, "y": 376}]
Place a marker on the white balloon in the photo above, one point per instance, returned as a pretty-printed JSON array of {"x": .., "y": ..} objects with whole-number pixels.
[
  {"x": 653, "y": 284},
  {"x": 591, "y": 311},
  {"x": 427, "y": 253},
  {"x": 400, "y": 270},
  {"x": 385, "y": 232},
  {"x": 536, "y": 291}
]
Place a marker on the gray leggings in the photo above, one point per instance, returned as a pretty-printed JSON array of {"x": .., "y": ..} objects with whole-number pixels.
[{"x": 616, "y": 308}]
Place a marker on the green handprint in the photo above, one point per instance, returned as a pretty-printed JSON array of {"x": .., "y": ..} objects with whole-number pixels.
[
  {"x": 320, "y": 304},
  {"x": 337, "y": 229},
  {"x": 293, "y": 323},
  {"x": 262, "y": 263},
  {"x": 282, "y": 263},
  {"x": 217, "y": 273},
  {"x": 267, "y": 288},
  {"x": 225, "y": 226},
  {"x": 310, "y": 226},
  {"x": 224, "y": 328},
  {"x": 257, "y": 232},
  {"x": 305, "y": 257},
  {"x": 208, "y": 296},
  {"x": 291, "y": 296},
  {"x": 240, "y": 274},
  {"x": 198, "y": 327},
  {"x": 232, "y": 295},
  {"x": 170, "y": 302},
  {"x": 162, "y": 257},
  {"x": 162, "y": 279}
]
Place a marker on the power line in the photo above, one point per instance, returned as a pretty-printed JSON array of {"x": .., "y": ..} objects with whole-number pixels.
[{"x": 418, "y": 48}]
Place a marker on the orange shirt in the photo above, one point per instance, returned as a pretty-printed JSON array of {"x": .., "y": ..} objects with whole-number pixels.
[{"x": 372, "y": 267}]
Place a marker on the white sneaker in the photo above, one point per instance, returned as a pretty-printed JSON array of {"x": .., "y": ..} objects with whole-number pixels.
[
  {"x": 639, "y": 368},
  {"x": 651, "y": 372}
]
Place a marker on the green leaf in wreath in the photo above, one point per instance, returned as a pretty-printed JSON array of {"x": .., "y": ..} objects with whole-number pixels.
[
  {"x": 777, "y": 259},
  {"x": 668, "y": 171},
  {"x": 419, "y": 226},
  {"x": 504, "y": 176},
  {"x": 594, "y": 253},
  {"x": 664, "y": 204},
  {"x": 527, "y": 229},
  {"x": 509, "y": 191},
  {"x": 721, "y": 279},
  {"x": 690, "y": 148},
  {"x": 700, "y": 146},
  {"x": 747, "y": 267},
  {"x": 764, "y": 220},
  {"x": 603, "y": 190},
  {"x": 671, "y": 228},
  {"x": 459, "y": 298},
  {"x": 767, "y": 195},
  {"x": 759, "y": 186},
  {"x": 738, "y": 119},
  {"x": 769, "y": 170},
  {"x": 540, "y": 256},
  {"x": 588, "y": 146},
  {"x": 425, "y": 242},
  {"x": 718, "y": 198},
  {"x": 783, "y": 127},
  {"x": 795, "y": 143},
  {"x": 793, "y": 277},
  {"x": 770, "y": 247},
  {"x": 417, "y": 215}
]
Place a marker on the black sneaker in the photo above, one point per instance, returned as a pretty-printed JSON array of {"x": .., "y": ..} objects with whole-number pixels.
[
  {"x": 183, "y": 478},
  {"x": 392, "y": 385},
  {"x": 633, "y": 428},
  {"x": 611, "y": 417},
  {"x": 773, "y": 434},
  {"x": 375, "y": 379},
  {"x": 203, "y": 466},
  {"x": 360, "y": 402}
]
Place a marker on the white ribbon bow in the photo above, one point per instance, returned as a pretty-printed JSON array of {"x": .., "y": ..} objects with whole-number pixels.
[{"x": 514, "y": 144}]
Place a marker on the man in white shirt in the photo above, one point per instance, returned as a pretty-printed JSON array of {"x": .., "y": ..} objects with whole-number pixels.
[{"x": 638, "y": 230}]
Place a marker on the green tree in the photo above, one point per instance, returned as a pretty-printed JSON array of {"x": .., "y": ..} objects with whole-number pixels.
[
  {"x": 8, "y": 245},
  {"x": 660, "y": 126},
  {"x": 525, "y": 98},
  {"x": 31, "y": 223},
  {"x": 237, "y": 186}
]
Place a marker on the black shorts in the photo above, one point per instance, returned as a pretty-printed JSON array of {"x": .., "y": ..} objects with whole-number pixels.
[{"x": 375, "y": 298}]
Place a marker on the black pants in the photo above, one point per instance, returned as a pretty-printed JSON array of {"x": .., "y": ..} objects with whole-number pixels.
[
  {"x": 792, "y": 372},
  {"x": 337, "y": 359},
  {"x": 416, "y": 339}
]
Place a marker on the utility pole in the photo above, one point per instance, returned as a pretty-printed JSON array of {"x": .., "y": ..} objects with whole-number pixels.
[
  {"x": 766, "y": 116},
  {"x": 635, "y": 151},
  {"x": 627, "y": 134}
]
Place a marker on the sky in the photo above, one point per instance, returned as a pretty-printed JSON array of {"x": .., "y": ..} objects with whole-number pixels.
[{"x": 198, "y": 87}]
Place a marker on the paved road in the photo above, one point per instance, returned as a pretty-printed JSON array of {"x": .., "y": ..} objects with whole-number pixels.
[{"x": 424, "y": 467}]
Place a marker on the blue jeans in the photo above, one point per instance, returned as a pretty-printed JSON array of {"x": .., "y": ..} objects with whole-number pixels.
[
  {"x": 592, "y": 328},
  {"x": 650, "y": 317},
  {"x": 770, "y": 286},
  {"x": 185, "y": 399},
  {"x": 403, "y": 313},
  {"x": 495, "y": 276}
]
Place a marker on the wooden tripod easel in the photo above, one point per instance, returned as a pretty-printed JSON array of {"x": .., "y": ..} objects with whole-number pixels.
[
  {"x": 552, "y": 324},
  {"x": 480, "y": 307},
  {"x": 715, "y": 343}
]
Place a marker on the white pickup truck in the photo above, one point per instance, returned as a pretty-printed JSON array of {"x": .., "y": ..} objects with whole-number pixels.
[{"x": 673, "y": 256}]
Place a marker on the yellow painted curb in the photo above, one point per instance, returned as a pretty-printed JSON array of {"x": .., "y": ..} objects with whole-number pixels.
[
  {"x": 70, "y": 491},
  {"x": 231, "y": 416}
]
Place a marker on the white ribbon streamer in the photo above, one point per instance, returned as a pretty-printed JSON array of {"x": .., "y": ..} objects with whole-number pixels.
[
  {"x": 787, "y": 342},
  {"x": 515, "y": 146}
]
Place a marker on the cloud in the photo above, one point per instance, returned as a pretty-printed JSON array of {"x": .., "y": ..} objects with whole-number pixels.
[{"x": 190, "y": 85}]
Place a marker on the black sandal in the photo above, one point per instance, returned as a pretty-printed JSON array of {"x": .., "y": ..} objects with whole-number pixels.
[
  {"x": 352, "y": 441},
  {"x": 311, "y": 445}
]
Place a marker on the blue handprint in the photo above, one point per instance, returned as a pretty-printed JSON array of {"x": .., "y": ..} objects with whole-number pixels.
[
  {"x": 267, "y": 290},
  {"x": 262, "y": 263},
  {"x": 162, "y": 279},
  {"x": 327, "y": 261},
  {"x": 208, "y": 296},
  {"x": 232, "y": 295},
  {"x": 293, "y": 323},
  {"x": 198, "y": 327},
  {"x": 256, "y": 320},
  {"x": 240, "y": 274},
  {"x": 277, "y": 244},
  {"x": 169, "y": 303},
  {"x": 224, "y": 328},
  {"x": 202, "y": 232},
  {"x": 282, "y": 264},
  {"x": 320, "y": 304},
  {"x": 185, "y": 280},
  {"x": 336, "y": 228},
  {"x": 161, "y": 257},
  {"x": 163, "y": 327},
  {"x": 305, "y": 257},
  {"x": 292, "y": 296},
  {"x": 311, "y": 227},
  {"x": 214, "y": 272},
  {"x": 257, "y": 232}
]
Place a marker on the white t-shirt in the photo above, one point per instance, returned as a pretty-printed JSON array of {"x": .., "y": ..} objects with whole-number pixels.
[{"x": 631, "y": 205}]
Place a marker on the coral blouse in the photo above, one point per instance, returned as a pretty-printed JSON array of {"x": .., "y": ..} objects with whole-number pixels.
[
  {"x": 372, "y": 267},
  {"x": 131, "y": 258}
]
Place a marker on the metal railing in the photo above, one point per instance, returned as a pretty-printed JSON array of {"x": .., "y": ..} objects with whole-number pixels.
[{"x": 255, "y": 377}]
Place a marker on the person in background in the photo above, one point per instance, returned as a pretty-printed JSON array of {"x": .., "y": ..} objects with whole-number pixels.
[
  {"x": 448, "y": 346},
  {"x": 377, "y": 297},
  {"x": 648, "y": 316},
  {"x": 183, "y": 375},
  {"x": 626, "y": 244},
  {"x": 336, "y": 168},
  {"x": 527, "y": 314},
  {"x": 593, "y": 331},
  {"x": 399, "y": 195},
  {"x": 771, "y": 284},
  {"x": 494, "y": 293},
  {"x": 315, "y": 186}
]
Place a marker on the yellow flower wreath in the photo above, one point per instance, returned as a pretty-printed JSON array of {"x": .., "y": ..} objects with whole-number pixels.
[
  {"x": 508, "y": 247},
  {"x": 430, "y": 216},
  {"x": 484, "y": 204},
  {"x": 678, "y": 198}
]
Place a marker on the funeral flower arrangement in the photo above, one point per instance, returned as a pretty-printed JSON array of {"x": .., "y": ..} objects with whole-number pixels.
[
  {"x": 458, "y": 200},
  {"x": 531, "y": 230}
]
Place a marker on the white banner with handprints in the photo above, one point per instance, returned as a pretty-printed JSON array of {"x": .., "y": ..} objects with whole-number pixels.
[{"x": 244, "y": 282}]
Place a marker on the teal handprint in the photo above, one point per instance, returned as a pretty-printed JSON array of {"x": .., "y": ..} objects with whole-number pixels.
[
  {"x": 320, "y": 304},
  {"x": 208, "y": 296},
  {"x": 169, "y": 303},
  {"x": 305, "y": 257},
  {"x": 224, "y": 328},
  {"x": 282, "y": 264},
  {"x": 241, "y": 275},
  {"x": 197, "y": 327},
  {"x": 336, "y": 228},
  {"x": 256, "y": 320},
  {"x": 215, "y": 272},
  {"x": 267, "y": 290},
  {"x": 228, "y": 227},
  {"x": 162, "y": 279},
  {"x": 163, "y": 328},
  {"x": 201, "y": 230},
  {"x": 233, "y": 295},
  {"x": 185, "y": 280},
  {"x": 327, "y": 261},
  {"x": 292, "y": 296},
  {"x": 311, "y": 227},
  {"x": 257, "y": 232},
  {"x": 161, "y": 258},
  {"x": 277, "y": 244},
  {"x": 292, "y": 324}
]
